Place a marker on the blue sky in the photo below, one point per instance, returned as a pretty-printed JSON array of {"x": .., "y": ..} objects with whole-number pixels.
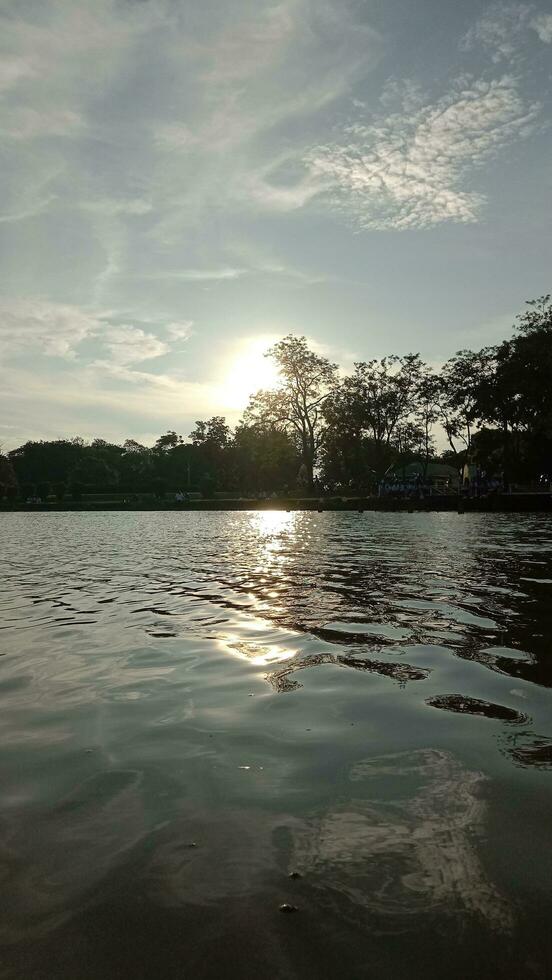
[{"x": 185, "y": 182}]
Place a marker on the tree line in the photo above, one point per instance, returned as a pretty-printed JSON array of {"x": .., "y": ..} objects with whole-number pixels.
[{"x": 320, "y": 429}]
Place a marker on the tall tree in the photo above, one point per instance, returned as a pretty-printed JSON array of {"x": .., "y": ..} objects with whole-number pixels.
[
  {"x": 170, "y": 440},
  {"x": 307, "y": 379},
  {"x": 211, "y": 454},
  {"x": 264, "y": 458},
  {"x": 375, "y": 403},
  {"x": 461, "y": 379},
  {"x": 427, "y": 411},
  {"x": 7, "y": 474}
]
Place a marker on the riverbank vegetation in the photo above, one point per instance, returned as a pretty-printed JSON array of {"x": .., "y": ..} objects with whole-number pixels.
[{"x": 321, "y": 430}]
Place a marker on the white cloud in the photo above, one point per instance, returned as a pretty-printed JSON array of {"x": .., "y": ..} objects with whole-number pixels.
[
  {"x": 104, "y": 399},
  {"x": 542, "y": 24},
  {"x": 180, "y": 331},
  {"x": 55, "y": 329},
  {"x": 112, "y": 206},
  {"x": 24, "y": 123},
  {"x": 503, "y": 30},
  {"x": 264, "y": 71},
  {"x": 13, "y": 70},
  {"x": 130, "y": 345},
  {"x": 174, "y": 136},
  {"x": 199, "y": 275},
  {"x": 37, "y": 206},
  {"x": 52, "y": 66},
  {"x": 499, "y": 29},
  {"x": 273, "y": 197},
  {"x": 413, "y": 169}
]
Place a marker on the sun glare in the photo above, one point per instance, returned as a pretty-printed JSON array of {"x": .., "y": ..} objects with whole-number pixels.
[{"x": 249, "y": 371}]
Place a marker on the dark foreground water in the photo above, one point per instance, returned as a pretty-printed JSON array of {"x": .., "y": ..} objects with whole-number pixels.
[{"x": 195, "y": 706}]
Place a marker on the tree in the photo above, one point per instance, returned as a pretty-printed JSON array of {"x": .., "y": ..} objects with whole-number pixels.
[
  {"x": 214, "y": 433},
  {"x": 43, "y": 489},
  {"x": 427, "y": 411},
  {"x": 167, "y": 442},
  {"x": 135, "y": 465},
  {"x": 375, "y": 403},
  {"x": 7, "y": 473},
  {"x": 47, "y": 460},
  {"x": 211, "y": 441},
  {"x": 264, "y": 458},
  {"x": 516, "y": 395},
  {"x": 538, "y": 318},
  {"x": 296, "y": 406},
  {"x": 459, "y": 405}
]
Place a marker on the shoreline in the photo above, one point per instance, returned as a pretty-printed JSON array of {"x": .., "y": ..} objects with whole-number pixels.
[{"x": 522, "y": 503}]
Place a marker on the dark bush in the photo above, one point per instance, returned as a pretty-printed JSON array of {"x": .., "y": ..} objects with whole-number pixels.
[
  {"x": 76, "y": 491},
  {"x": 159, "y": 488},
  {"x": 43, "y": 489}
]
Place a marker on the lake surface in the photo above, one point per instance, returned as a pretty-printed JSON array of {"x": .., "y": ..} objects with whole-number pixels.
[{"x": 195, "y": 706}]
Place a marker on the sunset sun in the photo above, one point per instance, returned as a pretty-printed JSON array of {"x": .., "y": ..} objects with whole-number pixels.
[{"x": 248, "y": 371}]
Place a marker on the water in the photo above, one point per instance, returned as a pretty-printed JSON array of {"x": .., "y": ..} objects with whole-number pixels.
[{"x": 194, "y": 706}]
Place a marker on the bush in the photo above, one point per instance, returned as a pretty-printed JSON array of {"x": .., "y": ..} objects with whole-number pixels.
[
  {"x": 207, "y": 486},
  {"x": 59, "y": 490},
  {"x": 43, "y": 490},
  {"x": 159, "y": 488},
  {"x": 76, "y": 491}
]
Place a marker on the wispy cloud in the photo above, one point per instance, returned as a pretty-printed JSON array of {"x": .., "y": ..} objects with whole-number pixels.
[
  {"x": 542, "y": 24},
  {"x": 504, "y": 30},
  {"x": 199, "y": 275},
  {"x": 111, "y": 206},
  {"x": 59, "y": 330},
  {"x": 164, "y": 160},
  {"x": 25, "y": 123},
  {"x": 499, "y": 29},
  {"x": 55, "y": 329},
  {"x": 129, "y": 345},
  {"x": 413, "y": 168},
  {"x": 180, "y": 331}
]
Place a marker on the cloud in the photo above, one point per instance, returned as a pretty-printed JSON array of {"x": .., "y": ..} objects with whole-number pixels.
[
  {"x": 13, "y": 70},
  {"x": 542, "y": 24},
  {"x": 112, "y": 206},
  {"x": 199, "y": 275},
  {"x": 58, "y": 330},
  {"x": 102, "y": 398},
  {"x": 180, "y": 331},
  {"x": 129, "y": 345},
  {"x": 264, "y": 72},
  {"x": 174, "y": 136},
  {"x": 55, "y": 329},
  {"x": 499, "y": 30},
  {"x": 413, "y": 169},
  {"x": 25, "y": 123},
  {"x": 503, "y": 30},
  {"x": 50, "y": 64}
]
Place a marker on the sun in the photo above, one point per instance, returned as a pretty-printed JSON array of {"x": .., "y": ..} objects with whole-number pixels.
[{"x": 249, "y": 371}]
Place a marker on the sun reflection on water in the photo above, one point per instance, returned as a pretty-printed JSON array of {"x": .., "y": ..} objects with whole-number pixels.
[{"x": 259, "y": 654}]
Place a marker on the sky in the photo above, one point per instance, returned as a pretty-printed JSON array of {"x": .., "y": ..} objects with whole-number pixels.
[{"x": 183, "y": 183}]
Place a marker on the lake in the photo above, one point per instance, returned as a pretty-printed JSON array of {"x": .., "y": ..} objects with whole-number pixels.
[{"x": 207, "y": 716}]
